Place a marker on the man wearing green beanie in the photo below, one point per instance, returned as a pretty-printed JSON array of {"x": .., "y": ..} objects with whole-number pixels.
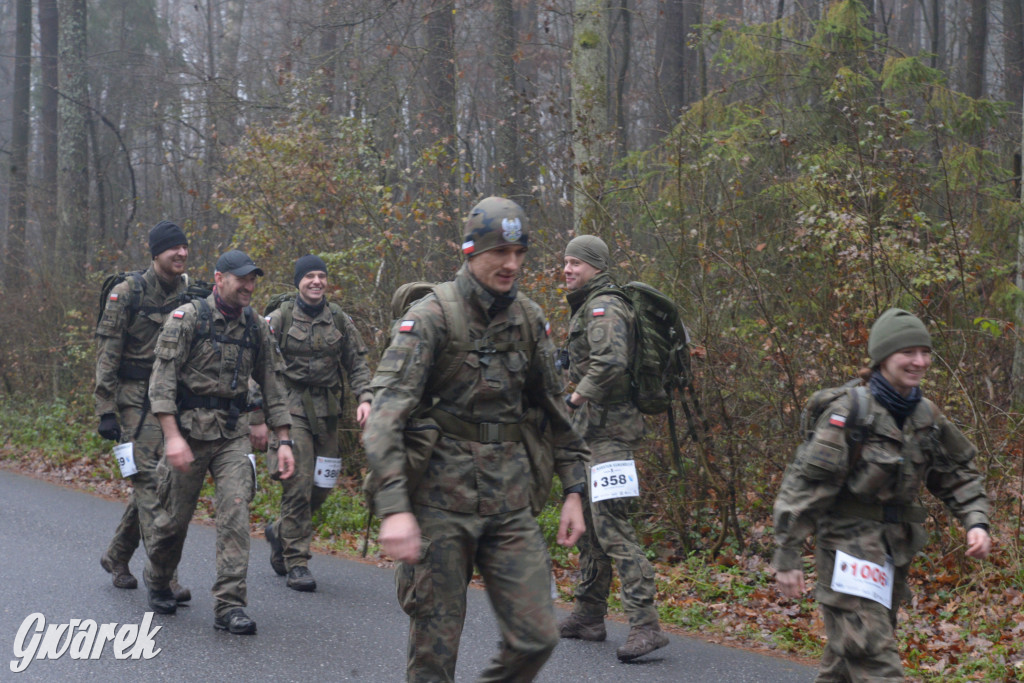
[
  {"x": 601, "y": 342},
  {"x": 854, "y": 485}
]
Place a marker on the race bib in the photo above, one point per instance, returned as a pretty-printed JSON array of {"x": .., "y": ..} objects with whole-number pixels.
[
  {"x": 124, "y": 454},
  {"x": 864, "y": 579},
  {"x": 326, "y": 474},
  {"x": 615, "y": 479},
  {"x": 255, "y": 479}
]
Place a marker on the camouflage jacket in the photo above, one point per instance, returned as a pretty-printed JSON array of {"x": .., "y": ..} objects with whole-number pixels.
[
  {"x": 130, "y": 339},
  {"x": 467, "y": 476},
  {"x": 205, "y": 367},
  {"x": 600, "y": 345},
  {"x": 316, "y": 351},
  {"x": 819, "y": 485}
]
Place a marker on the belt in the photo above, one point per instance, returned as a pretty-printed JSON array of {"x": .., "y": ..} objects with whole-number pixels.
[
  {"x": 480, "y": 432},
  {"x": 890, "y": 514},
  {"x": 131, "y": 369}
]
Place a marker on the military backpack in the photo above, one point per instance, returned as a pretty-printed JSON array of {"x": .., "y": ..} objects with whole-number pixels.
[
  {"x": 137, "y": 290},
  {"x": 661, "y": 363}
]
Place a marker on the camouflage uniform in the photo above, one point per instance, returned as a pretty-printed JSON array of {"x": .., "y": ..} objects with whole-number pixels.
[
  {"x": 124, "y": 359},
  {"x": 316, "y": 352},
  {"x": 600, "y": 345},
  {"x": 870, "y": 513},
  {"x": 473, "y": 501},
  {"x": 188, "y": 363}
]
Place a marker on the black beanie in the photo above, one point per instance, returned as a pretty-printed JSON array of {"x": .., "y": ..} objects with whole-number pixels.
[
  {"x": 164, "y": 236},
  {"x": 307, "y": 264}
]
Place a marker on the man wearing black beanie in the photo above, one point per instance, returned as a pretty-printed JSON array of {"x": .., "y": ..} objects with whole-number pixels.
[
  {"x": 125, "y": 340},
  {"x": 319, "y": 343}
]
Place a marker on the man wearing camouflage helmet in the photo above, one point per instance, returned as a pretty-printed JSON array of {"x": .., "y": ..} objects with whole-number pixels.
[
  {"x": 854, "y": 484},
  {"x": 125, "y": 338},
  {"x": 601, "y": 342},
  {"x": 470, "y": 504}
]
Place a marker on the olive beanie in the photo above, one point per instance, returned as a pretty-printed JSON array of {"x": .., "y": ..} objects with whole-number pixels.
[
  {"x": 894, "y": 330},
  {"x": 589, "y": 249}
]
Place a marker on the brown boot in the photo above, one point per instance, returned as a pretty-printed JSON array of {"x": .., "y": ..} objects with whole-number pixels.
[
  {"x": 641, "y": 640},
  {"x": 122, "y": 575},
  {"x": 584, "y": 628},
  {"x": 181, "y": 593}
]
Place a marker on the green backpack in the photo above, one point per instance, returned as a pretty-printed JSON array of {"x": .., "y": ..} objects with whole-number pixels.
[{"x": 661, "y": 363}]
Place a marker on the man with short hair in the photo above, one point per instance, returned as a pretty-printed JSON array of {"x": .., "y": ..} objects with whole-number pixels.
[
  {"x": 602, "y": 340},
  {"x": 321, "y": 346},
  {"x": 125, "y": 338},
  {"x": 206, "y": 352},
  {"x": 470, "y": 503}
]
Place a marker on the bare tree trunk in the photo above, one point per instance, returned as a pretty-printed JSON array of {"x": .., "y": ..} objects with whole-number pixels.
[
  {"x": 589, "y": 109},
  {"x": 622, "y": 49},
  {"x": 977, "y": 37},
  {"x": 670, "y": 68},
  {"x": 17, "y": 208},
  {"x": 440, "y": 91},
  {"x": 49, "y": 32},
  {"x": 1017, "y": 371},
  {"x": 1013, "y": 53},
  {"x": 507, "y": 171},
  {"x": 73, "y": 173}
]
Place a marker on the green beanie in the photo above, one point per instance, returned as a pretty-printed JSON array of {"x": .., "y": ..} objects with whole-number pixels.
[
  {"x": 589, "y": 249},
  {"x": 894, "y": 330}
]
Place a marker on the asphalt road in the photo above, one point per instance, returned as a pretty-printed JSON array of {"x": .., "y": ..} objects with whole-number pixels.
[{"x": 351, "y": 629}]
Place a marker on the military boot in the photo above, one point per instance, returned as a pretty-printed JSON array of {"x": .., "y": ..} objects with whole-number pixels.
[
  {"x": 181, "y": 593},
  {"x": 582, "y": 627},
  {"x": 236, "y": 621},
  {"x": 161, "y": 601},
  {"x": 641, "y": 640},
  {"x": 276, "y": 550},
  {"x": 301, "y": 579},
  {"x": 122, "y": 575}
]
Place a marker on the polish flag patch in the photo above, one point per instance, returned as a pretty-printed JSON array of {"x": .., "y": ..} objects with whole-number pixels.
[
  {"x": 179, "y": 314},
  {"x": 837, "y": 420},
  {"x": 468, "y": 247},
  {"x": 113, "y": 297},
  {"x": 598, "y": 312},
  {"x": 406, "y": 326},
  {"x": 547, "y": 329}
]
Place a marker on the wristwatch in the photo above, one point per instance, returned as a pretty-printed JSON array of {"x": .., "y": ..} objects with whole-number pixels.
[
  {"x": 578, "y": 488},
  {"x": 286, "y": 442}
]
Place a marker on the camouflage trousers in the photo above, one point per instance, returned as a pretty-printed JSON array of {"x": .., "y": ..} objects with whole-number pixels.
[
  {"x": 300, "y": 498},
  {"x": 144, "y": 507},
  {"x": 234, "y": 482},
  {"x": 509, "y": 551},
  {"x": 610, "y": 536},
  {"x": 861, "y": 633}
]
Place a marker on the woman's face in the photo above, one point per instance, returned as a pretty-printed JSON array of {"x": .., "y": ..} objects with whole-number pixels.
[{"x": 905, "y": 369}]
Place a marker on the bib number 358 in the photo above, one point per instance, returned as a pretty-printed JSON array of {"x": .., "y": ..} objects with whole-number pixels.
[{"x": 615, "y": 479}]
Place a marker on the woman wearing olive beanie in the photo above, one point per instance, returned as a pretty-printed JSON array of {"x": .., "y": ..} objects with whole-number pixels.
[{"x": 854, "y": 485}]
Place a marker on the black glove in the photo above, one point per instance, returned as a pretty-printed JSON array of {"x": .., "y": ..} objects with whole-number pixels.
[{"x": 109, "y": 429}]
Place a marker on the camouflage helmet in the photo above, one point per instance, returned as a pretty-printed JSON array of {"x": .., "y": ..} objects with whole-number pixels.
[{"x": 495, "y": 222}]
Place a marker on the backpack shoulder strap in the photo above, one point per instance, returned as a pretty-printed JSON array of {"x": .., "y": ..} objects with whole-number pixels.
[
  {"x": 858, "y": 422},
  {"x": 458, "y": 345},
  {"x": 286, "y": 320}
]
